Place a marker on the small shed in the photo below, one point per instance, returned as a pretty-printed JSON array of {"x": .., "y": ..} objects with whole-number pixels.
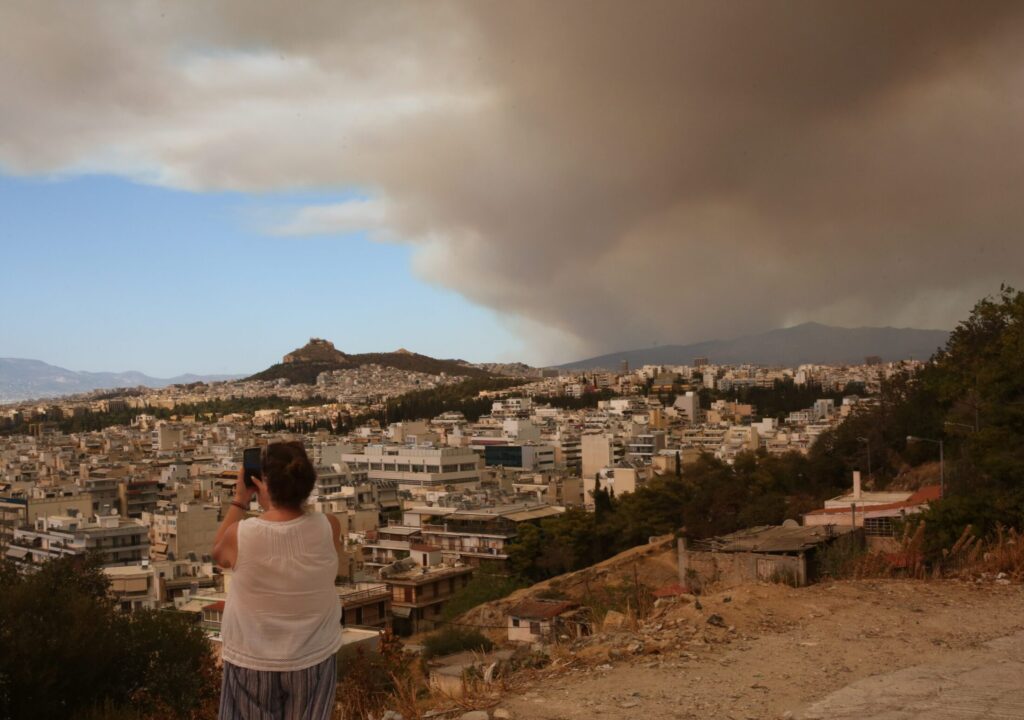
[
  {"x": 777, "y": 553},
  {"x": 532, "y": 620}
]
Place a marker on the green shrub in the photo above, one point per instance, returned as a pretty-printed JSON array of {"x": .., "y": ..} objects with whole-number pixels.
[
  {"x": 66, "y": 650},
  {"x": 487, "y": 585},
  {"x": 455, "y": 639}
]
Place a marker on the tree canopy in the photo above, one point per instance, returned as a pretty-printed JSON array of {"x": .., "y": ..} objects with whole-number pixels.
[{"x": 67, "y": 652}]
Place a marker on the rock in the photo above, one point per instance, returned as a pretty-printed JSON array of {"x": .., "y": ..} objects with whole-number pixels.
[
  {"x": 501, "y": 714},
  {"x": 727, "y": 598},
  {"x": 716, "y": 620},
  {"x": 616, "y": 654},
  {"x": 614, "y": 620},
  {"x": 697, "y": 605},
  {"x": 474, "y": 715},
  {"x": 391, "y": 715}
]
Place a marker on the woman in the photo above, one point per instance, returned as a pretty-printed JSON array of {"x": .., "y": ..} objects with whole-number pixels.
[{"x": 282, "y": 619}]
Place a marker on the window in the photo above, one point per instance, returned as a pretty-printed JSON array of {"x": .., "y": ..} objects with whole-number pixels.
[
  {"x": 879, "y": 527},
  {"x": 515, "y": 622},
  {"x": 535, "y": 628}
]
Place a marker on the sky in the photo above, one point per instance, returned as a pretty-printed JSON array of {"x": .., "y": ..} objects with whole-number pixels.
[{"x": 201, "y": 187}]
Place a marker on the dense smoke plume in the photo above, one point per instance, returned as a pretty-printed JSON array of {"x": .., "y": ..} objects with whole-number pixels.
[{"x": 607, "y": 174}]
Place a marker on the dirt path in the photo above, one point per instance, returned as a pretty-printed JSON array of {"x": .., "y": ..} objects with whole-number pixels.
[
  {"x": 983, "y": 683},
  {"x": 782, "y": 652}
]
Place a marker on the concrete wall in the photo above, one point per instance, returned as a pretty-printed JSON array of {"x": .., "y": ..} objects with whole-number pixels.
[{"x": 728, "y": 569}]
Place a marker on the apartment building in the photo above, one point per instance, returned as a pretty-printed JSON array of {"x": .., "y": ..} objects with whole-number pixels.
[
  {"x": 418, "y": 469},
  {"x": 23, "y": 508},
  {"x": 137, "y": 495},
  {"x": 528, "y": 457},
  {"x": 598, "y": 451},
  {"x": 549, "y": 488},
  {"x": 134, "y": 587},
  {"x": 625, "y": 477},
  {"x": 419, "y": 594},
  {"x": 182, "y": 530},
  {"x": 568, "y": 451},
  {"x": 645, "y": 445},
  {"x": 476, "y": 536},
  {"x": 119, "y": 541},
  {"x": 389, "y": 544},
  {"x": 365, "y": 604}
]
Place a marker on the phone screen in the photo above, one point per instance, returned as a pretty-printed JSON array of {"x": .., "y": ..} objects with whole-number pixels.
[{"x": 251, "y": 463}]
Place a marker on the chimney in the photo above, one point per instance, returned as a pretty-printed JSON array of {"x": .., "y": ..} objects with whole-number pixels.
[{"x": 856, "y": 484}]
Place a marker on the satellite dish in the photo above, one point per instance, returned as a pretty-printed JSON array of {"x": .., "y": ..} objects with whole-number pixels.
[{"x": 790, "y": 523}]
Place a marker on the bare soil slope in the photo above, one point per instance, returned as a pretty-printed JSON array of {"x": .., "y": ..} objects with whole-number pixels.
[{"x": 771, "y": 651}]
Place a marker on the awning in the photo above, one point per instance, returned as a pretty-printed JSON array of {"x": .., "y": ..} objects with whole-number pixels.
[
  {"x": 401, "y": 611},
  {"x": 17, "y": 552}
]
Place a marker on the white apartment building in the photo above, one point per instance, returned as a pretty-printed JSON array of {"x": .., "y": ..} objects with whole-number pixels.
[
  {"x": 118, "y": 540},
  {"x": 418, "y": 469},
  {"x": 512, "y": 407}
]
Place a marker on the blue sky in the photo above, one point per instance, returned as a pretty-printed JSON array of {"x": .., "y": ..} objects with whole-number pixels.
[{"x": 100, "y": 273}]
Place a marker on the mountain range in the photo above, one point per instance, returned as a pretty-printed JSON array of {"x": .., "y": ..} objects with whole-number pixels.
[
  {"x": 807, "y": 343},
  {"x": 23, "y": 379}
]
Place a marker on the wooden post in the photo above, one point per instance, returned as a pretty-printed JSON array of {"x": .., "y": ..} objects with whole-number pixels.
[{"x": 681, "y": 550}]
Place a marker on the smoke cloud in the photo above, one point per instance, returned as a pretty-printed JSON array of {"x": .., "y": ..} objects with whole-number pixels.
[{"x": 604, "y": 174}]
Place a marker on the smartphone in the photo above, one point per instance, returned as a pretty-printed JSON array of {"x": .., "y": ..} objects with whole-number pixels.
[{"x": 251, "y": 458}]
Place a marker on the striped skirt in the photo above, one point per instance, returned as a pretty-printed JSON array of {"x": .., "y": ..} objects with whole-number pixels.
[{"x": 306, "y": 694}]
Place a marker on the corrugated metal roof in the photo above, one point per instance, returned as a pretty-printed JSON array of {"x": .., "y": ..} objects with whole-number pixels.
[{"x": 776, "y": 539}]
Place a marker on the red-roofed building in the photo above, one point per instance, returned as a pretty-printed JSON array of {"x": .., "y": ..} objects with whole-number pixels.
[
  {"x": 876, "y": 512},
  {"x": 532, "y": 620}
]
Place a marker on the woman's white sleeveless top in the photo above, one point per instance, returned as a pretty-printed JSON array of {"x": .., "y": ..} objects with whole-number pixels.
[{"x": 282, "y": 612}]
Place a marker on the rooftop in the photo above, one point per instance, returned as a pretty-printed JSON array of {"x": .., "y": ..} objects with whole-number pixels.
[
  {"x": 537, "y": 609},
  {"x": 776, "y": 538}
]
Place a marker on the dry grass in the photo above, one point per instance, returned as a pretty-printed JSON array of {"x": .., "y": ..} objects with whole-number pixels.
[{"x": 970, "y": 557}]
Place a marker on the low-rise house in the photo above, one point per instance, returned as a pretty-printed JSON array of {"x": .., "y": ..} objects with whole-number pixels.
[
  {"x": 878, "y": 513},
  {"x": 535, "y": 620}
]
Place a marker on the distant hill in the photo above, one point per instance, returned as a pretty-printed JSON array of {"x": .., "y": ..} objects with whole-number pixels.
[
  {"x": 24, "y": 379},
  {"x": 807, "y": 343},
  {"x": 302, "y": 366}
]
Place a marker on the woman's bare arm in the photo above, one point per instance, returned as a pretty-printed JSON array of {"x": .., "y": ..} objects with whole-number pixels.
[{"x": 336, "y": 536}]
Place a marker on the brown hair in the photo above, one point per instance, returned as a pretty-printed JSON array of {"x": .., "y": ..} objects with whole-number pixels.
[{"x": 288, "y": 473}]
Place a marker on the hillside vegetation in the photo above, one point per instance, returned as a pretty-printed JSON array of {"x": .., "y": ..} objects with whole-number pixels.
[{"x": 302, "y": 366}]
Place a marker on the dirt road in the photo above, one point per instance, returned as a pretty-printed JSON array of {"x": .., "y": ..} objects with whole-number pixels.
[{"x": 879, "y": 649}]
